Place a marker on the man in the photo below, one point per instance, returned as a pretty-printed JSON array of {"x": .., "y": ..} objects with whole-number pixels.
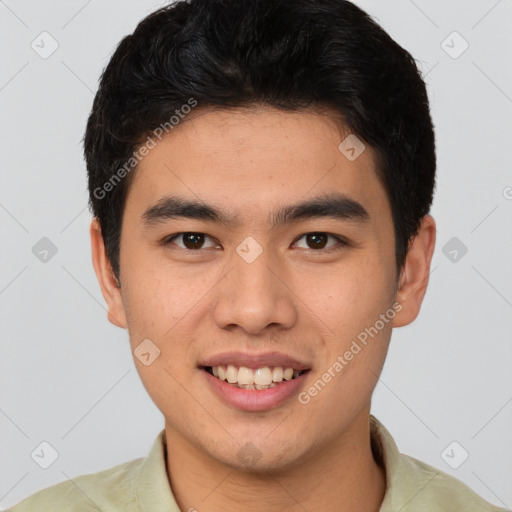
[{"x": 261, "y": 174}]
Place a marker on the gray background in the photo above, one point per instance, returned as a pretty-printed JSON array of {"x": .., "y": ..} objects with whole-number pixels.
[{"x": 67, "y": 376}]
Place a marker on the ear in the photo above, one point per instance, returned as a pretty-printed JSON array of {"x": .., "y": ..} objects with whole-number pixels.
[
  {"x": 110, "y": 288},
  {"x": 415, "y": 273}
]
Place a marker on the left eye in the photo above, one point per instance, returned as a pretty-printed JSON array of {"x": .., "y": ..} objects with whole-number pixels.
[{"x": 319, "y": 240}]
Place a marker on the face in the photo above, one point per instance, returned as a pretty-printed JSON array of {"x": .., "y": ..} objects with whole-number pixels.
[{"x": 292, "y": 256}]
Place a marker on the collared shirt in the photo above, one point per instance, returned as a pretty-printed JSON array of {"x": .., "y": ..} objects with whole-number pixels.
[{"x": 142, "y": 485}]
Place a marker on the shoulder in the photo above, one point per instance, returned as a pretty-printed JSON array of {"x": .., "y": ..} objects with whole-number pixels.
[
  {"x": 89, "y": 492},
  {"x": 414, "y": 486},
  {"x": 436, "y": 490}
]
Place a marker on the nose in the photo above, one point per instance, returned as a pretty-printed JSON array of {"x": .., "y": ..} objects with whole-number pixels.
[{"x": 254, "y": 296}]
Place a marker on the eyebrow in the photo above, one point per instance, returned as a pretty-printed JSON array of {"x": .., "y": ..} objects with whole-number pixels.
[{"x": 335, "y": 205}]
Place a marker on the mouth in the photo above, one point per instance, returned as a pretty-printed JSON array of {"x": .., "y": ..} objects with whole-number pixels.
[{"x": 262, "y": 378}]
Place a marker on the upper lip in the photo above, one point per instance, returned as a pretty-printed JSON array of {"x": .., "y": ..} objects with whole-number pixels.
[{"x": 270, "y": 359}]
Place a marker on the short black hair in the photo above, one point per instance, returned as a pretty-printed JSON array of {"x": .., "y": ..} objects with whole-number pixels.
[{"x": 288, "y": 54}]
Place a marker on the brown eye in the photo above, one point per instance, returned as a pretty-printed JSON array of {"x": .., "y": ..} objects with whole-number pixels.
[
  {"x": 318, "y": 241},
  {"x": 191, "y": 241}
]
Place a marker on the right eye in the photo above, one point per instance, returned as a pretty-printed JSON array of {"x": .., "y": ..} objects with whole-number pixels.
[{"x": 191, "y": 240}]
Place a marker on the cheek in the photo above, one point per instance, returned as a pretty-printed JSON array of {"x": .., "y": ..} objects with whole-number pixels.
[
  {"x": 154, "y": 298},
  {"x": 167, "y": 305},
  {"x": 349, "y": 297}
]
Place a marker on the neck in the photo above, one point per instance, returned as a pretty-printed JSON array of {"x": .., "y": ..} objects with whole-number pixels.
[{"x": 339, "y": 475}]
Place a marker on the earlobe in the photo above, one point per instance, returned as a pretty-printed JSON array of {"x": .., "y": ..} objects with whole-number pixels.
[
  {"x": 415, "y": 273},
  {"x": 108, "y": 282}
]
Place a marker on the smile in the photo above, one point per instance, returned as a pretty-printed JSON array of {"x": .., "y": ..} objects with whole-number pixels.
[{"x": 258, "y": 378}]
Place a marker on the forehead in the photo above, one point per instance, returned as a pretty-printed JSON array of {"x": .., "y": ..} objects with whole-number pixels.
[{"x": 253, "y": 158}]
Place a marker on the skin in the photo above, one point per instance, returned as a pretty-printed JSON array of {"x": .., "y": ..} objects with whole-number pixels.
[{"x": 294, "y": 298}]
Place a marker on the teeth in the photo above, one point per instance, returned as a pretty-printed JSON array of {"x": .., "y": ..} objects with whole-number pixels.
[
  {"x": 231, "y": 374},
  {"x": 277, "y": 374},
  {"x": 261, "y": 378},
  {"x": 246, "y": 376},
  {"x": 257, "y": 386},
  {"x": 262, "y": 386}
]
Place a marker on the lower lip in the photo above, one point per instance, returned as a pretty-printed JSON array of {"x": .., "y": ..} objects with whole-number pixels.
[{"x": 255, "y": 399}]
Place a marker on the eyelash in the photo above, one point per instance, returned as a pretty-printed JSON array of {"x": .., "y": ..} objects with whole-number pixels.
[{"x": 341, "y": 242}]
